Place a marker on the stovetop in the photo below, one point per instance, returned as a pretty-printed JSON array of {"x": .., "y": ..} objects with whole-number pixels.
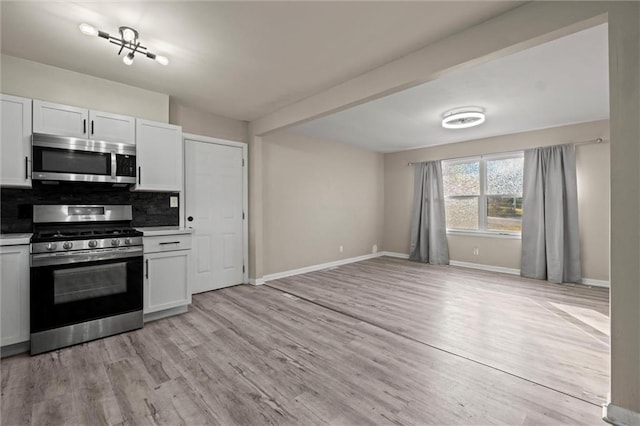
[
  {"x": 83, "y": 234},
  {"x": 72, "y": 241},
  {"x": 61, "y": 230}
]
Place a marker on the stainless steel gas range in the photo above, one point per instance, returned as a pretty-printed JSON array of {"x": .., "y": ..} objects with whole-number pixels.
[{"x": 86, "y": 274}]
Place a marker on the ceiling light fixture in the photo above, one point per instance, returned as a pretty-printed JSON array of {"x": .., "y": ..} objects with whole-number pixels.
[
  {"x": 128, "y": 40},
  {"x": 461, "y": 118}
]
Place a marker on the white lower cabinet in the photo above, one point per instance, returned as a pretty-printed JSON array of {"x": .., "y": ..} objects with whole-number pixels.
[
  {"x": 167, "y": 267},
  {"x": 14, "y": 294}
]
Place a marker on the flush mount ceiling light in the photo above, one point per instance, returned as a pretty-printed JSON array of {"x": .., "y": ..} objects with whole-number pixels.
[
  {"x": 461, "y": 118},
  {"x": 128, "y": 40}
]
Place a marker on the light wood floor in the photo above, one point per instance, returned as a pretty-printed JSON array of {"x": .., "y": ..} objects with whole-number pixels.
[{"x": 383, "y": 341}]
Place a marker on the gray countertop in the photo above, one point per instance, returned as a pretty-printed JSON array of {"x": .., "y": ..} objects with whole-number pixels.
[
  {"x": 14, "y": 239},
  {"x": 164, "y": 230}
]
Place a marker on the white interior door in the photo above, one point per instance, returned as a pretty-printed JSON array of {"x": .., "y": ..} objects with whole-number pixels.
[{"x": 214, "y": 201}]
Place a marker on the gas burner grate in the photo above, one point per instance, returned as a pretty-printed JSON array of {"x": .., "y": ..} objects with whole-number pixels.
[{"x": 69, "y": 234}]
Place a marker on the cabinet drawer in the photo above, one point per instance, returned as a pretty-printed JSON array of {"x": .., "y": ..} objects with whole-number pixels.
[{"x": 167, "y": 243}]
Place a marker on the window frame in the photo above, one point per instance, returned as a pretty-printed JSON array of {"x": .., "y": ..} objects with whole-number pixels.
[{"x": 483, "y": 196}]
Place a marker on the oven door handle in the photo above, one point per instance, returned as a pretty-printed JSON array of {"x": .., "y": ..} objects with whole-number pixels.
[{"x": 47, "y": 259}]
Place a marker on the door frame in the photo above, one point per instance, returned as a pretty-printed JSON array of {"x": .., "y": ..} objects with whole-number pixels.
[{"x": 245, "y": 190}]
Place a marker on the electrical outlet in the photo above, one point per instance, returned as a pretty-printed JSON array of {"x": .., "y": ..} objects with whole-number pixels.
[
  {"x": 476, "y": 251},
  {"x": 374, "y": 249},
  {"x": 173, "y": 201},
  {"x": 341, "y": 249}
]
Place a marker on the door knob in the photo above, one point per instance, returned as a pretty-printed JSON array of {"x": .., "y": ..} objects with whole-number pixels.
[{"x": 190, "y": 218}]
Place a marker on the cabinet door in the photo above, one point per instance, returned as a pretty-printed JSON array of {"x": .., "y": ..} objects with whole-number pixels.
[
  {"x": 15, "y": 141},
  {"x": 159, "y": 156},
  {"x": 105, "y": 126},
  {"x": 166, "y": 280},
  {"x": 14, "y": 293},
  {"x": 61, "y": 120}
]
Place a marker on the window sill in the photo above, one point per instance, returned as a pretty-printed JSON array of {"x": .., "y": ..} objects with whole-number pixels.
[{"x": 502, "y": 235}]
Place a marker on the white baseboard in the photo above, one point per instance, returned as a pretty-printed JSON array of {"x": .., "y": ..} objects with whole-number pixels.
[
  {"x": 595, "y": 283},
  {"x": 15, "y": 349},
  {"x": 312, "y": 268},
  {"x": 153, "y": 316},
  {"x": 395, "y": 254},
  {"x": 619, "y": 416},
  {"x": 514, "y": 271},
  {"x": 319, "y": 267},
  {"x": 491, "y": 268}
]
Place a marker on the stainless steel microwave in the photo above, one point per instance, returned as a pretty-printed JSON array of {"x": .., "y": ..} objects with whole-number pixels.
[{"x": 58, "y": 158}]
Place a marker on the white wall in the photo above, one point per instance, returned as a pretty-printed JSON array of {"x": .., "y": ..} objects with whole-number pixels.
[
  {"x": 319, "y": 195},
  {"x": 204, "y": 123},
  {"x": 29, "y": 79},
  {"x": 624, "y": 87}
]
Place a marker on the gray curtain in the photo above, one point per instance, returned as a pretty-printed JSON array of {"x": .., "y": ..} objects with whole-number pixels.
[
  {"x": 428, "y": 225},
  {"x": 550, "y": 240}
]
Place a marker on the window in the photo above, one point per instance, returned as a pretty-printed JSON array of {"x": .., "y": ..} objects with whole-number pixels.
[{"x": 484, "y": 194}]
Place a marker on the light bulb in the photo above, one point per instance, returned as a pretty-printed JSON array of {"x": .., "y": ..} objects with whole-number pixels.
[
  {"x": 128, "y": 60},
  {"x": 128, "y": 34},
  {"x": 88, "y": 30},
  {"x": 162, "y": 60}
]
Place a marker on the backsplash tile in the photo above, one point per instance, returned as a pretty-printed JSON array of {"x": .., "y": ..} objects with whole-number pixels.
[{"x": 149, "y": 208}]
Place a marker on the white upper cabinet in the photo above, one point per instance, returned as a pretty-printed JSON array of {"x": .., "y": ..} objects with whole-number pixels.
[
  {"x": 105, "y": 126},
  {"x": 159, "y": 156},
  {"x": 15, "y": 141},
  {"x": 61, "y": 120},
  {"x": 65, "y": 120}
]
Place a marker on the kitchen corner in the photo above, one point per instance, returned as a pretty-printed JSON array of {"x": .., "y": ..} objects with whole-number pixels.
[
  {"x": 105, "y": 196},
  {"x": 81, "y": 180}
]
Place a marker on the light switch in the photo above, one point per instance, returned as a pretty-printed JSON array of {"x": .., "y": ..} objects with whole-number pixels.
[{"x": 173, "y": 201}]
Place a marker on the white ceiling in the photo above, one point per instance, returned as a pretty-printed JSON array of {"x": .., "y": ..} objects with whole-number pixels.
[
  {"x": 237, "y": 59},
  {"x": 561, "y": 82}
]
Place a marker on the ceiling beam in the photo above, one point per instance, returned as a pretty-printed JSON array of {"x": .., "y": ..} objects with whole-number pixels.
[{"x": 521, "y": 28}]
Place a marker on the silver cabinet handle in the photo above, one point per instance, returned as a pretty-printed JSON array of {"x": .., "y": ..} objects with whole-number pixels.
[{"x": 147, "y": 264}]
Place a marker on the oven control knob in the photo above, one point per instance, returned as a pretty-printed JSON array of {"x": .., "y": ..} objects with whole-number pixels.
[
  {"x": 93, "y": 244},
  {"x": 51, "y": 246},
  {"x": 67, "y": 245},
  {"x": 115, "y": 243},
  {"x": 127, "y": 241}
]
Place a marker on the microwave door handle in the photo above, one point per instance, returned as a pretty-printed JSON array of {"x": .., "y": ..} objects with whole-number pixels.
[{"x": 114, "y": 165}]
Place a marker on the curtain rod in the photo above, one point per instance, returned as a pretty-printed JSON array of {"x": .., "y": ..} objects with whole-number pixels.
[{"x": 585, "y": 142}]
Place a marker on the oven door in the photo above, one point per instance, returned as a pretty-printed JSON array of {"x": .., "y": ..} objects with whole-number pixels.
[{"x": 82, "y": 291}]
